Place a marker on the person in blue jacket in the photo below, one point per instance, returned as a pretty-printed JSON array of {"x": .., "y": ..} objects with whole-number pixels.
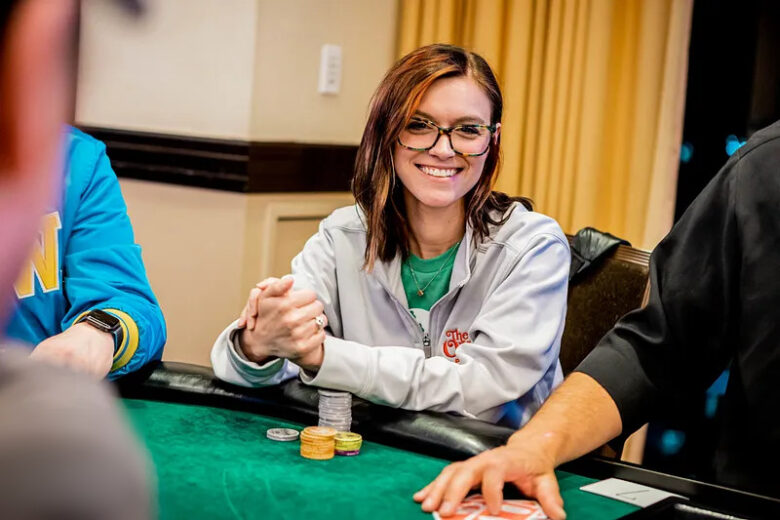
[{"x": 83, "y": 299}]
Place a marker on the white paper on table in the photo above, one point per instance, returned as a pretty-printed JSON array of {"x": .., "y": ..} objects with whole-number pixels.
[{"x": 628, "y": 492}]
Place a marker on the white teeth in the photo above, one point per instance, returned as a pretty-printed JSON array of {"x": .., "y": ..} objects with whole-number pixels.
[{"x": 439, "y": 172}]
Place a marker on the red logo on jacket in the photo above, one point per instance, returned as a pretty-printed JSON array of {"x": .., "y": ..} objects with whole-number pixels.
[{"x": 455, "y": 338}]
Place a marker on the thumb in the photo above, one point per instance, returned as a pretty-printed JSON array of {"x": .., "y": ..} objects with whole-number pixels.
[{"x": 263, "y": 284}]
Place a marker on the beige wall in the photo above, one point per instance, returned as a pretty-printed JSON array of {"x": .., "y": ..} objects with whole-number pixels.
[
  {"x": 290, "y": 34},
  {"x": 194, "y": 259},
  {"x": 185, "y": 67},
  {"x": 233, "y": 68}
]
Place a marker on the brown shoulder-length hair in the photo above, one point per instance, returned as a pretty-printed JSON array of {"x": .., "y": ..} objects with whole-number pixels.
[{"x": 395, "y": 101}]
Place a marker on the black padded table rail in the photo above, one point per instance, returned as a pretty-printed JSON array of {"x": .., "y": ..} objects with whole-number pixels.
[{"x": 436, "y": 434}]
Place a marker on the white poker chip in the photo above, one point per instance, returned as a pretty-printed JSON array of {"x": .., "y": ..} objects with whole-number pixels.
[
  {"x": 334, "y": 393},
  {"x": 335, "y": 409},
  {"x": 282, "y": 434}
]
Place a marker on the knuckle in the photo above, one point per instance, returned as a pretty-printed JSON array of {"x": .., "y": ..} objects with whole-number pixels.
[
  {"x": 449, "y": 470},
  {"x": 287, "y": 321}
]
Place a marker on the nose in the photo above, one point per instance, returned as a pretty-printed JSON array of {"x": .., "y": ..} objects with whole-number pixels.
[{"x": 442, "y": 148}]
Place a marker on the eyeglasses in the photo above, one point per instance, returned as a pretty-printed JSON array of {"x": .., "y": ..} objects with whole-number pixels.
[{"x": 469, "y": 140}]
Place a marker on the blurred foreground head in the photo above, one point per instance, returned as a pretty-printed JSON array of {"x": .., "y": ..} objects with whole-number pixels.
[
  {"x": 35, "y": 82},
  {"x": 65, "y": 449}
]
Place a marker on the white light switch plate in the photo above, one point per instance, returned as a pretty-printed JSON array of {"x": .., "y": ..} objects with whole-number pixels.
[{"x": 330, "y": 69}]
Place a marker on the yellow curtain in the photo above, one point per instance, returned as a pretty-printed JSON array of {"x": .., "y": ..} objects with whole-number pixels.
[{"x": 594, "y": 95}]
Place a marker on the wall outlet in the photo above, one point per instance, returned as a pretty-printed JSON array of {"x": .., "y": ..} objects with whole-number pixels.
[{"x": 330, "y": 69}]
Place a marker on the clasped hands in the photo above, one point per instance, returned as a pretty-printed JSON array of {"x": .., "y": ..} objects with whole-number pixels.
[{"x": 281, "y": 322}]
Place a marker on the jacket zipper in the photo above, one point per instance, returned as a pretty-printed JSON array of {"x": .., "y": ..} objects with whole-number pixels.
[{"x": 426, "y": 337}]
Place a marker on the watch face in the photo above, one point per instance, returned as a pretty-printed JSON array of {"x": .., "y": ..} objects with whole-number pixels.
[{"x": 102, "y": 320}]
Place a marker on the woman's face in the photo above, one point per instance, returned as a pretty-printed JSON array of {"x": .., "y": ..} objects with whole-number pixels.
[{"x": 439, "y": 178}]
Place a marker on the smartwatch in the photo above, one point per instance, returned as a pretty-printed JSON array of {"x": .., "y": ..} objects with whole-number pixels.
[{"x": 105, "y": 322}]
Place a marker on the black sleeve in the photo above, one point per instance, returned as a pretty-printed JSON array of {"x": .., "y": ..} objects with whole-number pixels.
[{"x": 683, "y": 339}]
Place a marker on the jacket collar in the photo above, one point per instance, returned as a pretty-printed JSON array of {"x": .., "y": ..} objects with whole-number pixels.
[{"x": 389, "y": 274}]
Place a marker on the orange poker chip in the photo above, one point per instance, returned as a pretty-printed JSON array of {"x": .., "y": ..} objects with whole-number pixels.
[
  {"x": 318, "y": 443},
  {"x": 320, "y": 431}
]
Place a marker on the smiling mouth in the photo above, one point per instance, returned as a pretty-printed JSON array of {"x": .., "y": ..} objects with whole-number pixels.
[{"x": 438, "y": 172}]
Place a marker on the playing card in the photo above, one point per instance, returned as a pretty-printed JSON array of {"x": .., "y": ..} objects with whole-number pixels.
[{"x": 474, "y": 507}]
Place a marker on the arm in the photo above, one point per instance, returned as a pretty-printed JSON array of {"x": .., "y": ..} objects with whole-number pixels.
[
  {"x": 229, "y": 353},
  {"x": 515, "y": 340},
  {"x": 276, "y": 326},
  {"x": 677, "y": 344},
  {"x": 102, "y": 266},
  {"x": 231, "y": 365},
  {"x": 578, "y": 417}
]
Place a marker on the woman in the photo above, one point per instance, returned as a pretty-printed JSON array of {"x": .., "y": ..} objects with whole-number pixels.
[{"x": 432, "y": 293}]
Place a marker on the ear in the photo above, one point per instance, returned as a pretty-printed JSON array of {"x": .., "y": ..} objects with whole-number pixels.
[
  {"x": 34, "y": 96},
  {"x": 497, "y": 133}
]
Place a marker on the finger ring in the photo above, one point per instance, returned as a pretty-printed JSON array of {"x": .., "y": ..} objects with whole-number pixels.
[{"x": 320, "y": 321}]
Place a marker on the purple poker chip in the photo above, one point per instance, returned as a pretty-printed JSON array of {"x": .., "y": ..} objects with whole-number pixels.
[{"x": 345, "y": 453}]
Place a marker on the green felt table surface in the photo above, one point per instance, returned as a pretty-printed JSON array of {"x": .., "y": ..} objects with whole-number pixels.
[{"x": 215, "y": 463}]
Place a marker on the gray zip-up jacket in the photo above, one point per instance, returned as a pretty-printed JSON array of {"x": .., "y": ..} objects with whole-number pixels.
[{"x": 493, "y": 341}]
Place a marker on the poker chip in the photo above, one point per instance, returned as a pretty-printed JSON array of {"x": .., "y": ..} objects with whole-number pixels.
[
  {"x": 282, "y": 434},
  {"x": 318, "y": 442},
  {"x": 335, "y": 410},
  {"x": 347, "y": 444},
  {"x": 347, "y": 453}
]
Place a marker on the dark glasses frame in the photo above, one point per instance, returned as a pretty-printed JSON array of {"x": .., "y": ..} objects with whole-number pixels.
[{"x": 448, "y": 132}]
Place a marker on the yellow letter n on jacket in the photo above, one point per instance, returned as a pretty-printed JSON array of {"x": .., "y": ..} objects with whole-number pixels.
[{"x": 45, "y": 261}]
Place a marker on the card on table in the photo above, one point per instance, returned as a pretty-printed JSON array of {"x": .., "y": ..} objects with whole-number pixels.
[
  {"x": 628, "y": 492},
  {"x": 474, "y": 507}
]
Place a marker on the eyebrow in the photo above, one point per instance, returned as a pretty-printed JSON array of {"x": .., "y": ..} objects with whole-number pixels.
[{"x": 460, "y": 121}]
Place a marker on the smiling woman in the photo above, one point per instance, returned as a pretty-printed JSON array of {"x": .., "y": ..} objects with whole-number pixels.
[{"x": 433, "y": 293}]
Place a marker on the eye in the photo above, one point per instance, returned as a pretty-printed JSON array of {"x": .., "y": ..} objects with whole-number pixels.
[
  {"x": 417, "y": 126},
  {"x": 470, "y": 131}
]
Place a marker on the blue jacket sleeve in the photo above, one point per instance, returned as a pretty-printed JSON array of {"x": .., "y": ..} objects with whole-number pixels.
[{"x": 102, "y": 267}]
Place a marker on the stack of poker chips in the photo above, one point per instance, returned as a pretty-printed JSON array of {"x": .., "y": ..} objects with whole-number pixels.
[
  {"x": 318, "y": 443},
  {"x": 348, "y": 444},
  {"x": 335, "y": 410}
]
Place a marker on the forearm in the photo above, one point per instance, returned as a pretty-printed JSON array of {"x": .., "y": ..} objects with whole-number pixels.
[
  {"x": 403, "y": 377},
  {"x": 578, "y": 417},
  {"x": 231, "y": 366}
]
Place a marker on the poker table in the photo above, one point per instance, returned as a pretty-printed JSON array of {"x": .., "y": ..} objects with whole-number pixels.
[{"x": 212, "y": 459}]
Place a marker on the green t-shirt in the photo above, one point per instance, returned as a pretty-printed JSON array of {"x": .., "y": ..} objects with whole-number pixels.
[{"x": 432, "y": 276}]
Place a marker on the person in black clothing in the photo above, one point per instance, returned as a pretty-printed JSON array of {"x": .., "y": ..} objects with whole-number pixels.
[{"x": 714, "y": 302}]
